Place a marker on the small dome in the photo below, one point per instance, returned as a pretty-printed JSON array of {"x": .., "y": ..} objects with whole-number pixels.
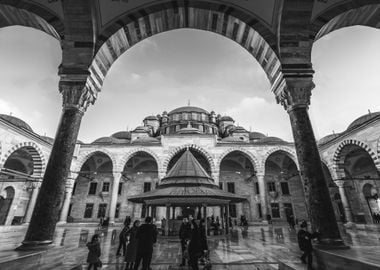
[
  {"x": 151, "y": 118},
  {"x": 328, "y": 138},
  {"x": 271, "y": 140},
  {"x": 226, "y": 118},
  {"x": 189, "y": 109},
  {"x": 124, "y": 135},
  {"x": 141, "y": 129},
  {"x": 362, "y": 119},
  {"x": 16, "y": 121},
  {"x": 189, "y": 130},
  {"x": 256, "y": 135},
  {"x": 47, "y": 139}
]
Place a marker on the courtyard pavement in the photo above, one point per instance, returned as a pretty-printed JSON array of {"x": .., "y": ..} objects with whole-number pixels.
[{"x": 260, "y": 247}]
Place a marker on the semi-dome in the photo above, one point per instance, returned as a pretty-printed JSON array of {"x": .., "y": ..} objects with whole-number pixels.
[
  {"x": 328, "y": 138},
  {"x": 362, "y": 119},
  {"x": 16, "y": 121},
  {"x": 189, "y": 109},
  {"x": 123, "y": 135},
  {"x": 256, "y": 135}
]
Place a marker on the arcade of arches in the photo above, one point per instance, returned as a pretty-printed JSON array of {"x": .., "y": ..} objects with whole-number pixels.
[{"x": 278, "y": 34}]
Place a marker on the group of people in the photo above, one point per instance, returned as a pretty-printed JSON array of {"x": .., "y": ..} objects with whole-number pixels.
[
  {"x": 193, "y": 242},
  {"x": 136, "y": 242}
]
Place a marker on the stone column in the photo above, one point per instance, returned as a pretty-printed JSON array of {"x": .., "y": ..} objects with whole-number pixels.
[
  {"x": 227, "y": 217},
  {"x": 263, "y": 195},
  {"x": 76, "y": 98},
  {"x": 167, "y": 219},
  {"x": 32, "y": 202},
  {"x": 346, "y": 205},
  {"x": 294, "y": 94},
  {"x": 66, "y": 204},
  {"x": 115, "y": 193}
]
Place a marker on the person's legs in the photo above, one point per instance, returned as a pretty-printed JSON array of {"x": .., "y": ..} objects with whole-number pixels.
[
  {"x": 124, "y": 247},
  {"x": 137, "y": 261},
  {"x": 303, "y": 257},
  {"x": 310, "y": 260},
  {"x": 194, "y": 263},
  {"x": 90, "y": 266},
  {"x": 145, "y": 260},
  {"x": 119, "y": 247},
  {"x": 183, "y": 249}
]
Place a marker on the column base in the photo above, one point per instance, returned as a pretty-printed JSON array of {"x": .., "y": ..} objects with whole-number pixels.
[
  {"x": 328, "y": 244},
  {"x": 35, "y": 245},
  {"x": 349, "y": 225},
  {"x": 61, "y": 223}
]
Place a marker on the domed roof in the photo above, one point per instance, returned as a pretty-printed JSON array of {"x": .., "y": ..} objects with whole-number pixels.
[
  {"x": 189, "y": 109},
  {"x": 362, "y": 119},
  {"x": 271, "y": 140},
  {"x": 256, "y": 135},
  {"x": 226, "y": 118},
  {"x": 16, "y": 121},
  {"x": 151, "y": 117},
  {"x": 328, "y": 138},
  {"x": 126, "y": 135}
]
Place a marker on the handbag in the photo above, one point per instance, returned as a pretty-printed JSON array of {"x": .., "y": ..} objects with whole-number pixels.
[{"x": 99, "y": 264}]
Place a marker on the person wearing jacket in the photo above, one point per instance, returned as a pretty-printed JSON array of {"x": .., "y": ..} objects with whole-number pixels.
[
  {"x": 184, "y": 236},
  {"x": 94, "y": 252},
  {"x": 304, "y": 242},
  {"x": 195, "y": 246},
  {"x": 146, "y": 236}
]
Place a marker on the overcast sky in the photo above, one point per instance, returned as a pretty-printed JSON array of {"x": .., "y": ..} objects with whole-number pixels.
[{"x": 213, "y": 72}]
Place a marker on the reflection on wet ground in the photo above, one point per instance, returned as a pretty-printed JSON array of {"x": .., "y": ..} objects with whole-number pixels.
[{"x": 258, "y": 247}]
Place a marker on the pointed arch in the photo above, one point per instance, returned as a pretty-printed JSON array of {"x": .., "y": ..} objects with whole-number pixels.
[
  {"x": 131, "y": 153},
  {"x": 255, "y": 162},
  {"x": 35, "y": 152},
  {"x": 86, "y": 155},
  {"x": 130, "y": 29},
  {"x": 341, "y": 152},
  {"x": 175, "y": 151},
  {"x": 287, "y": 151}
]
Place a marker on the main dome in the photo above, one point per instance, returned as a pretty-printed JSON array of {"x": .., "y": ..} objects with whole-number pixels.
[{"x": 189, "y": 109}]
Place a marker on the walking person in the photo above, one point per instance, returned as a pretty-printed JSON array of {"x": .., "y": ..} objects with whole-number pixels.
[
  {"x": 195, "y": 246},
  {"x": 123, "y": 237},
  {"x": 304, "y": 242},
  {"x": 94, "y": 252},
  {"x": 184, "y": 236},
  {"x": 146, "y": 236},
  {"x": 130, "y": 254}
]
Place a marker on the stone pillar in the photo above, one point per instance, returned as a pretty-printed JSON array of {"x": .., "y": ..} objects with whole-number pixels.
[
  {"x": 167, "y": 219},
  {"x": 115, "y": 193},
  {"x": 227, "y": 217},
  {"x": 66, "y": 204},
  {"x": 294, "y": 93},
  {"x": 346, "y": 205},
  {"x": 32, "y": 202},
  {"x": 76, "y": 98},
  {"x": 263, "y": 195}
]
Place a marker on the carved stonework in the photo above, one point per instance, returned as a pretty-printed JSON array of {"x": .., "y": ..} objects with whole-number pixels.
[
  {"x": 295, "y": 93},
  {"x": 76, "y": 95}
]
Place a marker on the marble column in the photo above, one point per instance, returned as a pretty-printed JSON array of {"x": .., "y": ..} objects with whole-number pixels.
[
  {"x": 115, "y": 193},
  {"x": 66, "y": 204},
  {"x": 32, "y": 202},
  {"x": 294, "y": 94},
  {"x": 263, "y": 195},
  {"x": 76, "y": 99},
  {"x": 346, "y": 205}
]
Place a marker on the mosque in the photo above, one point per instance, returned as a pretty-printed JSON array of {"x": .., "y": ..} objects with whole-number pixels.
[{"x": 261, "y": 171}]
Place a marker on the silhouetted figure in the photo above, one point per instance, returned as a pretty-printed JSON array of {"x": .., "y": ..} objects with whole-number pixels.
[
  {"x": 127, "y": 221},
  {"x": 304, "y": 242},
  {"x": 163, "y": 226},
  {"x": 146, "y": 236},
  {"x": 130, "y": 254},
  {"x": 123, "y": 237},
  {"x": 184, "y": 236},
  {"x": 94, "y": 252},
  {"x": 195, "y": 246}
]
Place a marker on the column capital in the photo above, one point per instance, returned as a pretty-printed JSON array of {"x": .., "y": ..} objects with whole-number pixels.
[
  {"x": 293, "y": 88},
  {"x": 76, "y": 94},
  {"x": 117, "y": 175}
]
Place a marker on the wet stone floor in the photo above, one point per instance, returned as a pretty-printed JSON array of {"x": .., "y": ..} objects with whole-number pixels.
[{"x": 260, "y": 247}]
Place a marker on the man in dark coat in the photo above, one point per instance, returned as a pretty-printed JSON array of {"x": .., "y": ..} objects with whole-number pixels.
[
  {"x": 184, "y": 236},
  {"x": 304, "y": 242},
  {"x": 146, "y": 236}
]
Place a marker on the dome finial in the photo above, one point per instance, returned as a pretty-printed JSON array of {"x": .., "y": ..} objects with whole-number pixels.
[{"x": 188, "y": 102}]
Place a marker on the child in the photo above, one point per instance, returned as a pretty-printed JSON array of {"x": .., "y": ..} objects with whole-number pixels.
[{"x": 304, "y": 242}]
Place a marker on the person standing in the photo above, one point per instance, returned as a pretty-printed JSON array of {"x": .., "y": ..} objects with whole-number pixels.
[
  {"x": 146, "y": 236},
  {"x": 163, "y": 226},
  {"x": 94, "y": 252},
  {"x": 195, "y": 246},
  {"x": 130, "y": 254},
  {"x": 184, "y": 236},
  {"x": 123, "y": 240},
  {"x": 304, "y": 242}
]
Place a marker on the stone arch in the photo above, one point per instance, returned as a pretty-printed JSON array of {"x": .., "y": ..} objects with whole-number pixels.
[
  {"x": 193, "y": 146},
  {"x": 341, "y": 152},
  {"x": 131, "y": 153},
  {"x": 36, "y": 154},
  {"x": 130, "y": 29},
  {"x": 289, "y": 152},
  {"x": 250, "y": 156},
  {"x": 25, "y": 13},
  {"x": 85, "y": 156},
  {"x": 347, "y": 14}
]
